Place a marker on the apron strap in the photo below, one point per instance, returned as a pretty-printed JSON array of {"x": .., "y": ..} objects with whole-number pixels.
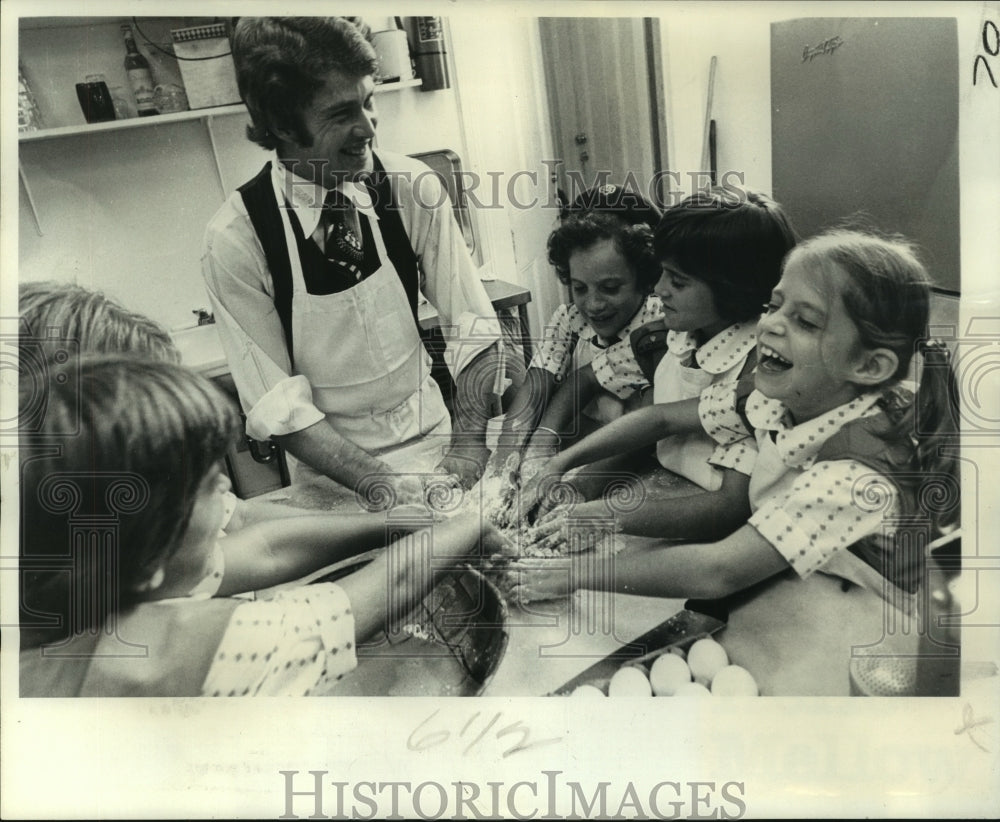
[
  {"x": 397, "y": 242},
  {"x": 870, "y": 441},
  {"x": 649, "y": 344},
  {"x": 262, "y": 208},
  {"x": 745, "y": 387},
  {"x": 258, "y": 197}
]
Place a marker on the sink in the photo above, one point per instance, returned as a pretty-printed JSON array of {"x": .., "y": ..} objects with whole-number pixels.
[{"x": 201, "y": 349}]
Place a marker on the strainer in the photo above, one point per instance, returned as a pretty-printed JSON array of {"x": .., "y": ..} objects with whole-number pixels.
[{"x": 883, "y": 675}]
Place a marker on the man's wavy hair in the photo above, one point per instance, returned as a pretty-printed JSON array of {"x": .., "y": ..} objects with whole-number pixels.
[{"x": 281, "y": 63}]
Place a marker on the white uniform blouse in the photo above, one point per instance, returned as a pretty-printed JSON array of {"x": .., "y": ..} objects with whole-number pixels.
[
  {"x": 711, "y": 373},
  {"x": 811, "y": 511}
]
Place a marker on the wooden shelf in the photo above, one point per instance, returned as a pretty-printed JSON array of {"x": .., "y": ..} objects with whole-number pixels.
[
  {"x": 165, "y": 119},
  {"x": 204, "y": 115},
  {"x": 399, "y": 84},
  {"x": 132, "y": 122}
]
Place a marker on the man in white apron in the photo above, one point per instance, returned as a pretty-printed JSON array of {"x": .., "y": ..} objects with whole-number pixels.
[{"x": 314, "y": 266}]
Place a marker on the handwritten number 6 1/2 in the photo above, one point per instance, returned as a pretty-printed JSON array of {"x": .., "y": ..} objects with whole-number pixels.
[{"x": 421, "y": 742}]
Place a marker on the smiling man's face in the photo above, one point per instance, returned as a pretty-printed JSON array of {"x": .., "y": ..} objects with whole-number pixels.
[{"x": 341, "y": 120}]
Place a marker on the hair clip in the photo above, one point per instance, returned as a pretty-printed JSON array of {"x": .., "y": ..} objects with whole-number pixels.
[{"x": 933, "y": 345}]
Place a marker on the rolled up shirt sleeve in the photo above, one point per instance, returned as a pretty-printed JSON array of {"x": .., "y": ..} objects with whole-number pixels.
[
  {"x": 829, "y": 508},
  {"x": 452, "y": 285},
  {"x": 286, "y": 408},
  {"x": 242, "y": 295},
  {"x": 555, "y": 351}
]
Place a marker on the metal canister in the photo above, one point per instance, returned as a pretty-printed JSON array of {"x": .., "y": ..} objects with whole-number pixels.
[{"x": 427, "y": 45}]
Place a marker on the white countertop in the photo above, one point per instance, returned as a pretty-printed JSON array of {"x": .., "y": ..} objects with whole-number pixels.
[{"x": 201, "y": 350}]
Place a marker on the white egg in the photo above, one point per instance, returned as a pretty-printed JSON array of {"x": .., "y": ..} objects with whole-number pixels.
[
  {"x": 706, "y": 658},
  {"x": 588, "y": 690},
  {"x": 734, "y": 681},
  {"x": 668, "y": 673},
  {"x": 629, "y": 681},
  {"x": 692, "y": 689}
]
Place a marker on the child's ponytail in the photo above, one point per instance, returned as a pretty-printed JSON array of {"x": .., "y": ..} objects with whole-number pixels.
[
  {"x": 887, "y": 295},
  {"x": 935, "y": 425}
]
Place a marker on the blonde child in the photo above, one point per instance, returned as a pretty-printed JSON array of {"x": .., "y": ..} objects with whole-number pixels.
[
  {"x": 63, "y": 321},
  {"x": 603, "y": 251},
  {"x": 720, "y": 253},
  {"x": 54, "y": 313},
  {"x": 843, "y": 451},
  {"x": 138, "y": 445}
]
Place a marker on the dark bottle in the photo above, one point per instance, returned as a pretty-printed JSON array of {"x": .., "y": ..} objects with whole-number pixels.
[
  {"x": 95, "y": 99},
  {"x": 139, "y": 75}
]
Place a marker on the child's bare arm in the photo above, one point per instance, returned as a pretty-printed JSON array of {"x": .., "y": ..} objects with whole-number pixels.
[
  {"x": 702, "y": 515},
  {"x": 569, "y": 399},
  {"x": 270, "y": 553},
  {"x": 526, "y": 408},
  {"x": 251, "y": 511},
  {"x": 704, "y": 571},
  {"x": 631, "y": 432},
  {"x": 708, "y": 570},
  {"x": 405, "y": 567},
  {"x": 699, "y": 515}
]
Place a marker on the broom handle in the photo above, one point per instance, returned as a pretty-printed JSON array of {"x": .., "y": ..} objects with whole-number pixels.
[{"x": 705, "y": 159}]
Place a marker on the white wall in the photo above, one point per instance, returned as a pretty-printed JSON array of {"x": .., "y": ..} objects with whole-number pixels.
[
  {"x": 125, "y": 211},
  {"x": 741, "y": 103},
  {"x": 506, "y": 124}
]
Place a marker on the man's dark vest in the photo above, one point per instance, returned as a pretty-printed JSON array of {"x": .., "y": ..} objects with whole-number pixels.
[{"x": 262, "y": 207}]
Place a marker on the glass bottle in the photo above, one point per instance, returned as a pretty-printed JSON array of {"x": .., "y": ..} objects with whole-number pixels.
[
  {"x": 169, "y": 95},
  {"x": 29, "y": 118},
  {"x": 139, "y": 75},
  {"x": 121, "y": 101}
]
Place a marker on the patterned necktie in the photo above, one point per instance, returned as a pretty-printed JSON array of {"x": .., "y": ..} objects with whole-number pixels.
[{"x": 342, "y": 241}]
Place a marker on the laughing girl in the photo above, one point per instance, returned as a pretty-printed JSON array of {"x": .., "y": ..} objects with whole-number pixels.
[{"x": 830, "y": 562}]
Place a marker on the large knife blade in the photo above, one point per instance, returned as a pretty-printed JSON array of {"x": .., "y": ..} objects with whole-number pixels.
[{"x": 681, "y": 630}]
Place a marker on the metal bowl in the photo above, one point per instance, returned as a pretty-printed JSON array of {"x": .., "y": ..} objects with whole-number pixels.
[{"x": 450, "y": 644}]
